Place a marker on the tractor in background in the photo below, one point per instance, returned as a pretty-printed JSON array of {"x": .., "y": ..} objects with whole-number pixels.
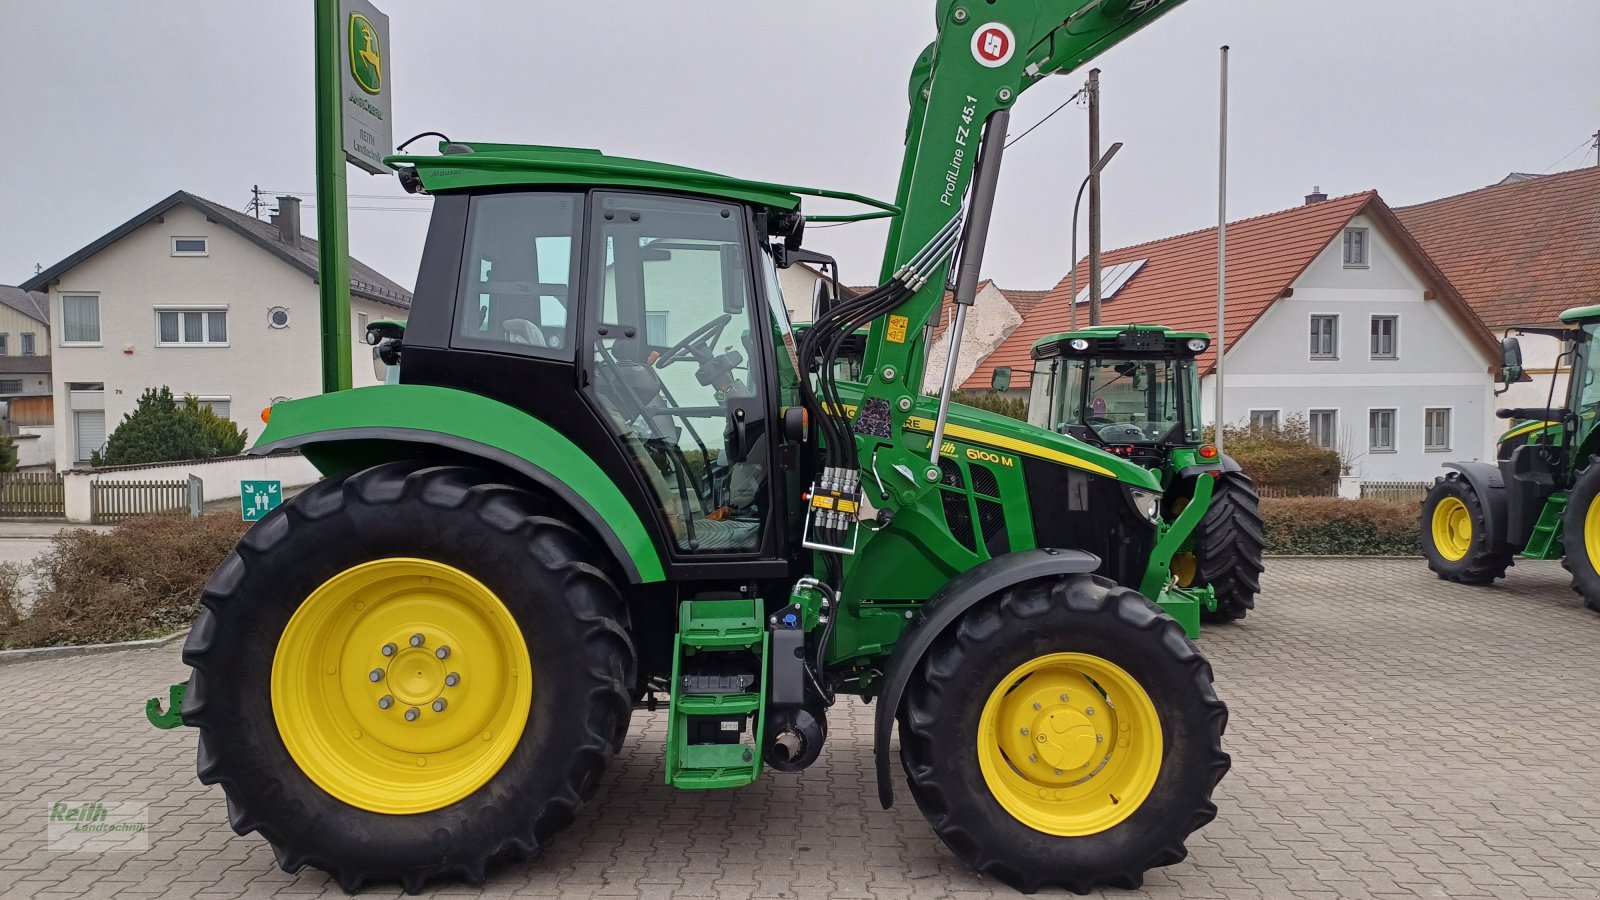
[
  {"x": 1537, "y": 500},
  {"x": 1134, "y": 391}
]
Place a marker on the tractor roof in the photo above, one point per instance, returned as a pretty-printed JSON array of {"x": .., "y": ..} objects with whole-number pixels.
[
  {"x": 470, "y": 165},
  {"x": 1581, "y": 313},
  {"x": 1110, "y": 332}
]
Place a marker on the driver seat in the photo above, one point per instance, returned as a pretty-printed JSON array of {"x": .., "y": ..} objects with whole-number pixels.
[{"x": 522, "y": 331}]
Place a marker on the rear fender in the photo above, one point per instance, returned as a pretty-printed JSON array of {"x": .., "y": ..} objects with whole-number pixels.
[
  {"x": 1489, "y": 485},
  {"x": 940, "y": 612},
  {"x": 371, "y": 425}
]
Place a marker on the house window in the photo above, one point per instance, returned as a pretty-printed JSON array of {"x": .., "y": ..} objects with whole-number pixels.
[
  {"x": 191, "y": 327},
  {"x": 1355, "y": 248},
  {"x": 655, "y": 329},
  {"x": 5, "y": 340},
  {"x": 1384, "y": 342},
  {"x": 89, "y": 433},
  {"x": 1324, "y": 428},
  {"x": 27, "y": 344},
  {"x": 1263, "y": 420},
  {"x": 80, "y": 318},
  {"x": 219, "y": 405},
  {"x": 1436, "y": 429},
  {"x": 189, "y": 246},
  {"x": 1380, "y": 431},
  {"x": 10, "y": 385},
  {"x": 362, "y": 319},
  {"x": 1324, "y": 337}
]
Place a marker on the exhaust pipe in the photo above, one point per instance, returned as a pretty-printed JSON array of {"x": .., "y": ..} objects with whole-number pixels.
[{"x": 793, "y": 738}]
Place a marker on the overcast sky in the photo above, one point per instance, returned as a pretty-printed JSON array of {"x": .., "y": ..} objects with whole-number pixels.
[{"x": 106, "y": 107}]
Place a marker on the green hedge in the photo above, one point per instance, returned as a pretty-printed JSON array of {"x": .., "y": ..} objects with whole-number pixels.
[
  {"x": 1283, "y": 458},
  {"x": 1015, "y": 407},
  {"x": 1328, "y": 526}
]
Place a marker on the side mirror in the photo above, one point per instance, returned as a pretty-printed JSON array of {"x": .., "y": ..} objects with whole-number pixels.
[
  {"x": 733, "y": 280},
  {"x": 1000, "y": 381},
  {"x": 1511, "y": 370}
]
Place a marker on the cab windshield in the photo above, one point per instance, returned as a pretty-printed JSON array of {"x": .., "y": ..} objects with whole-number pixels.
[{"x": 1120, "y": 401}]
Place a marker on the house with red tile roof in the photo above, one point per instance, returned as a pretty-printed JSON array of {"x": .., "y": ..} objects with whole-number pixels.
[
  {"x": 1519, "y": 252},
  {"x": 1335, "y": 313}
]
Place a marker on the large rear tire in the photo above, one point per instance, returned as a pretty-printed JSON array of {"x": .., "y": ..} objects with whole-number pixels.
[
  {"x": 1064, "y": 733},
  {"x": 1455, "y": 535},
  {"x": 407, "y": 674},
  {"x": 1228, "y": 548},
  {"x": 1580, "y": 534}
]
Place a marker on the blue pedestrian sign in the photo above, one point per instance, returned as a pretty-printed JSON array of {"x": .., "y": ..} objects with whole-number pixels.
[{"x": 257, "y": 498}]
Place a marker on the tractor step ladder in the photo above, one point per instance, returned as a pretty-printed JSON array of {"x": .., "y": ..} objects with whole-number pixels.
[
  {"x": 717, "y": 694},
  {"x": 1545, "y": 541}
]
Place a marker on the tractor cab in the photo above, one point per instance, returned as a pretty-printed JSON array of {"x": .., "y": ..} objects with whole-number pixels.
[{"x": 1133, "y": 390}]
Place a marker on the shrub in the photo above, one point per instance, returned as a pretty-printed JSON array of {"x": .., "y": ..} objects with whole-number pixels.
[
  {"x": 1282, "y": 458},
  {"x": 1329, "y": 526},
  {"x": 161, "y": 429},
  {"x": 1015, "y": 407},
  {"x": 8, "y": 453},
  {"x": 142, "y": 579}
]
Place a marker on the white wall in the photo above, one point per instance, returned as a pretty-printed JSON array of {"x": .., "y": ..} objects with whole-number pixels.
[
  {"x": 989, "y": 322},
  {"x": 1438, "y": 365},
  {"x": 36, "y": 445},
  {"x": 221, "y": 477},
  {"x": 138, "y": 273}
]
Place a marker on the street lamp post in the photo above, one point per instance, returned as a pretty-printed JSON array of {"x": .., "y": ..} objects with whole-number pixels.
[{"x": 1073, "y": 300}]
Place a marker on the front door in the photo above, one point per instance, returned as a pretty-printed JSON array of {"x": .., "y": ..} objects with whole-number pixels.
[{"x": 676, "y": 362}]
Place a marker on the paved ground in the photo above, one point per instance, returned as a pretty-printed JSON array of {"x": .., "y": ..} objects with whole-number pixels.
[{"x": 1393, "y": 736}]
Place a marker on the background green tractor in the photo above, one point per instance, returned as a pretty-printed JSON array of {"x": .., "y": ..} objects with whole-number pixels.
[
  {"x": 1134, "y": 390},
  {"x": 1538, "y": 499}
]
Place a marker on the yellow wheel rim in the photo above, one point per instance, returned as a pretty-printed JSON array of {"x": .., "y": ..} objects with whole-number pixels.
[
  {"x": 1069, "y": 744},
  {"x": 401, "y": 685},
  {"x": 1591, "y": 532},
  {"x": 1184, "y": 568},
  {"x": 1452, "y": 529}
]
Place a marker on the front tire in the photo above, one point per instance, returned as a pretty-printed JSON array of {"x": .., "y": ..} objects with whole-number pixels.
[
  {"x": 1580, "y": 534},
  {"x": 335, "y": 659},
  {"x": 1229, "y": 545},
  {"x": 1455, "y": 534},
  {"x": 1083, "y": 692}
]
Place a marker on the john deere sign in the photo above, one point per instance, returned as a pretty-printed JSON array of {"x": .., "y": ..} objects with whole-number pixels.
[{"x": 368, "y": 129}]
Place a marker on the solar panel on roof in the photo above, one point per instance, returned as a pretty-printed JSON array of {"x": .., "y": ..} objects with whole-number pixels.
[{"x": 1112, "y": 278}]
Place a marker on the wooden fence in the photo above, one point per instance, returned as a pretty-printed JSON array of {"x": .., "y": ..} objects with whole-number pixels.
[
  {"x": 115, "y": 501},
  {"x": 29, "y": 495},
  {"x": 1267, "y": 490},
  {"x": 1403, "y": 491}
]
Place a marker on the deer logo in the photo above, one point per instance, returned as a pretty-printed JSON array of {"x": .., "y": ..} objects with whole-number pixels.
[{"x": 366, "y": 56}]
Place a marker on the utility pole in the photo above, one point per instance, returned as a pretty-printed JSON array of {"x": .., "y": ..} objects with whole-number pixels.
[
  {"x": 255, "y": 201},
  {"x": 1093, "y": 90},
  {"x": 1597, "y": 149},
  {"x": 1222, "y": 243}
]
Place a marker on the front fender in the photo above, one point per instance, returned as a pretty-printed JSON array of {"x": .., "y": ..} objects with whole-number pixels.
[
  {"x": 410, "y": 414},
  {"x": 957, "y": 596}
]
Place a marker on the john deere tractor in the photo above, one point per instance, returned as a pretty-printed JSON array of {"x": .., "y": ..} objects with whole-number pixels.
[
  {"x": 1134, "y": 391},
  {"x": 607, "y": 474},
  {"x": 1538, "y": 499}
]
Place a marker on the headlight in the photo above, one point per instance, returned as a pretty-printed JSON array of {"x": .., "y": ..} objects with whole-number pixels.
[
  {"x": 1147, "y": 503},
  {"x": 1196, "y": 344},
  {"x": 1078, "y": 344}
]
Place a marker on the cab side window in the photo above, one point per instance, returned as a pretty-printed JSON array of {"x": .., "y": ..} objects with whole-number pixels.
[{"x": 516, "y": 275}]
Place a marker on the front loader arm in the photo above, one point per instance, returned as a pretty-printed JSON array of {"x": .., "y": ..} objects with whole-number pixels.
[{"x": 986, "y": 54}]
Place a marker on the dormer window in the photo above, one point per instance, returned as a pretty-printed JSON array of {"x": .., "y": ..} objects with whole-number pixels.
[
  {"x": 1355, "y": 248},
  {"x": 190, "y": 246}
]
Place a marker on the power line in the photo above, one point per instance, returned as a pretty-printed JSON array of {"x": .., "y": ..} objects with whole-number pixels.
[
  {"x": 1019, "y": 137},
  {"x": 1588, "y": 141}
]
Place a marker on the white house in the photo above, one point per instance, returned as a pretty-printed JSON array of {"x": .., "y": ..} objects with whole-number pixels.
[
  {"x": 1335, "y": 314},
  {"x": 203, "y": 299},
  {"x": 25, "y": 375}
]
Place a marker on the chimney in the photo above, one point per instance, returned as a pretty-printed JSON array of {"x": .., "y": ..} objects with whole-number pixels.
[
  {"x": 1316, "y": 196},
  {"x": 288, "y": 220}
]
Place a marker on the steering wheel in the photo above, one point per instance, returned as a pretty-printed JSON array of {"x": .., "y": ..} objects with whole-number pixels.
[
  {"x": 1120, "y": 431},
  {"x": 698, "y": 345}
]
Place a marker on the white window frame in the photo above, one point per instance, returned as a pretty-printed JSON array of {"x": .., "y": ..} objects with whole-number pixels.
[
  {"x": 191, "y": 237},
  {"x": 1366, "y": 247},
  {"x": 1394, "y": 336},
  {"x": 98, "y": 319},
  {"x": 207, "y": 399},
  {"x": 5, "y": 343},
  {"x": 1333, "y": 431},
  {"x": 1277, "y": 415},
  {"x": 1394, "y": 429},
  {"x": 1449, "y": 429},
  {"x": 1311, "y": 323},
  {"x": 362, "y": 321},
  {"x": 180, "y": 342}
]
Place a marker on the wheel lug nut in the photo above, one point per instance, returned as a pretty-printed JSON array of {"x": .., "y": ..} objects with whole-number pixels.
[
  {"x": 385, "y": 702},
  {"x": 1032, "y": 758},
  {"x": 442, "y": 652},
  {"x": 452, "y": 680},
  {"x": 375, "y": 675},
  {"x": 1036, "y": 706},
  {"x": 388, "y": 649},
  {"x": 1058, "y": 771},
  {"x": 416, "y": 640},
  {"x": 412, "y": 713},
  {"x": 438, "y": 705},
  {"x": 1089, "y": 711},
  {"x": 1024, "y": 732},
  {"x": 1099, "y": 739},
  {"x": 1063, "y": 698}
]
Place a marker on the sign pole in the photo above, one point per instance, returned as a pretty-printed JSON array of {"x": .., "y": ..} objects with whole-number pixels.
[
  {"x": 1222, "y": 245},
  {"x": 333, "y": 217}
]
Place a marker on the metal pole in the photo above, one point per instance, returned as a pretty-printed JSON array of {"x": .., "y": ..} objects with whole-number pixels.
[
  {"x": 1094, "y": 198},
  {"x": 333, "y": 239},
  {"x": 1073, "y": 301},
  {"x": 1222, "y": 244},
  {"x": 979, "y": 210}
]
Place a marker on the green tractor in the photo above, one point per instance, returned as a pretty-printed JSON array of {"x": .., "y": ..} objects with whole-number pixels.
[
  {"x": 1134, "y": 390},
  {"x": 604, "y": 473},
  {"x": 1538, "y": 499}
]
